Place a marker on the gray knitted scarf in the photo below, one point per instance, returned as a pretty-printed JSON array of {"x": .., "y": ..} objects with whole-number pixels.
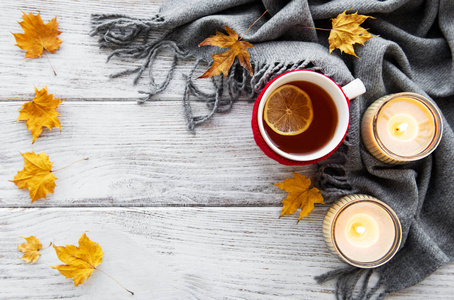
[{"x": 414, "y": 52}]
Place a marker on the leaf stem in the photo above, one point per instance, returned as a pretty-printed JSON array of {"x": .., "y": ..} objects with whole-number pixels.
[
  {"x": 316, "y": 28},
  {"x": 132, "y": 293},
  {"x": 86, "y": 158},
  {"x": 47, "y": 246},
  {"x": 45, "y": 54},
  {"x": 253, "y": 24}
]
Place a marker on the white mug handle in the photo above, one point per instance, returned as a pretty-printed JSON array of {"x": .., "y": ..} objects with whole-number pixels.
[{"x": 354, "y": 88}]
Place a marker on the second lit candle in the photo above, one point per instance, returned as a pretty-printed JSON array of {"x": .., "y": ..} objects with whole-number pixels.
[{"x": 401, "y": 127}]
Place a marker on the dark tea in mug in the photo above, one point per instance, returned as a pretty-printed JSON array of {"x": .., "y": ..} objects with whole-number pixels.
[
  {"x": 321, "y": 129},
  {"x": 299, "y": 132}
]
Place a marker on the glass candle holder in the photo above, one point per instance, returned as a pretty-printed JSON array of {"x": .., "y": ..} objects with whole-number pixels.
[
  {"x": 362, "y": 230},
  {"x": 401, "y": 128}
]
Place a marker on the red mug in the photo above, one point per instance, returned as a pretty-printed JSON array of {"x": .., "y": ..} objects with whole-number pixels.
[{"x": 341, "y": 98}]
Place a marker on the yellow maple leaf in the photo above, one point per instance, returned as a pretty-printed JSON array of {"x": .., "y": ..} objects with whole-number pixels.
[
  {"x": 40, "y": 112},
  {"x": 30, "y": 249},
  {"x": 346, "y": 32},
  {"x": 299, "y": 195},
  {"x": 36, "y": 176},
  {"x": 223, "y": 61},
  {"x": 37, "y": 36},
  {"x": 80, "y": 261}
]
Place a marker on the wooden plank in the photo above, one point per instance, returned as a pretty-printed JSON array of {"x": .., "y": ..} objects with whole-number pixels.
[
  {"x": 143, "y": 155},
  {"x": 80, "y": 64},
  {"x": 182, "y": 253}
]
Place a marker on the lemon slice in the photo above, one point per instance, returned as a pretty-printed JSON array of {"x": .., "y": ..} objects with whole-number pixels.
[{"x": 288, "y": 110}]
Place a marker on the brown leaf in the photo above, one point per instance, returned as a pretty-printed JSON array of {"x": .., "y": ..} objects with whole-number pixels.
[
  {"x": 37, "y": 36},
  {"x": 299, "y": 195},
  {"x": 36, "y": 176},
  {"x": 346, "y": 32},
  {"x": 30, "y": 249},
  {"x": 40, "y": 112},
  {"x": 223, "y": 61}
]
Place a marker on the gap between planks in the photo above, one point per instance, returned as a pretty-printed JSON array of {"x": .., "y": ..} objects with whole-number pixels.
[
  {"x": 154, "y": 205},
  {"x": 114, "y": 100}
]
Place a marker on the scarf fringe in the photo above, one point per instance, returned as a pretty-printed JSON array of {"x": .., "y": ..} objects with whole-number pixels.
[
  {"x": 354, "y": 284},
  {"x": 130, "y": 38},
  {"x": 116, "y": 30}
]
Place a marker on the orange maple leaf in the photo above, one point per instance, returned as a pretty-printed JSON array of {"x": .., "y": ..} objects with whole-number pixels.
[
  {"x": 36, "y": 176},
  {"x": 30, "y": 249},
  {"x": 299, "y": 195},
  {"x": 39, "y": 112},
  {"x": 37, "y": 36},
  {"x": 223, "y": 61},
  {"x": 346, "y": 32}
]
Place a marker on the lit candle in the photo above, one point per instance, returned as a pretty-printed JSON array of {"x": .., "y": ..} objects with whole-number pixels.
[
  {"x": 401, "y": 127},
  {"x": 362, "y": 230}
]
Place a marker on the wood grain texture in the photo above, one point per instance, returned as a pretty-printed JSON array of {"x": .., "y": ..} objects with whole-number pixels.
[
  {"x": 143, "y": 159},
  {"x": 142, "y": 155},
  {"x": 80, "y": 64},
  {"x": 182, "y": 253}
]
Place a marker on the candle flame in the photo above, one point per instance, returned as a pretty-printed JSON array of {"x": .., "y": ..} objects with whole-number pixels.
[{"x": 360, "y": 229}]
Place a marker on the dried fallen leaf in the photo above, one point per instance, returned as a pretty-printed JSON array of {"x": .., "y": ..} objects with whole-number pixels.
[
  {"x": 30, "y": 249},
  {"x": 223, "y": 61},
  {"x": 299, "y": 195},
  {"x": 37, "y": 36},
  {"x": 80, "y": 261},
  {"x": 36, "y": 176},
  {"x": 346, "y": 32},
  {"x": 40, "y": 112}
]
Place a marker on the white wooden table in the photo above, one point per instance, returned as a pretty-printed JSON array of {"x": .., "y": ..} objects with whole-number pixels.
[{"x": 179, "y": 216}]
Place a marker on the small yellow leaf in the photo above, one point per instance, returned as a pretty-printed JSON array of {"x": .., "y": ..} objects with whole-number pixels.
[
  {"x": 40, "y": 112},
  {"x": 37, "y": 36},
  {"x": 80, "y": 261},
  {"x": 346, "y": 32},
  {"x": 299, "y": 195},
  {"x": 36, "y": 176},
  {"x": 30, "y": 249},
  {"x": 312, "y": 196},
  {"x": 223, "y": 61}
]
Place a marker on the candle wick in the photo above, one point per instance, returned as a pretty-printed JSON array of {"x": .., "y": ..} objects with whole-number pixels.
[{"x": 402, "y": 127}]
